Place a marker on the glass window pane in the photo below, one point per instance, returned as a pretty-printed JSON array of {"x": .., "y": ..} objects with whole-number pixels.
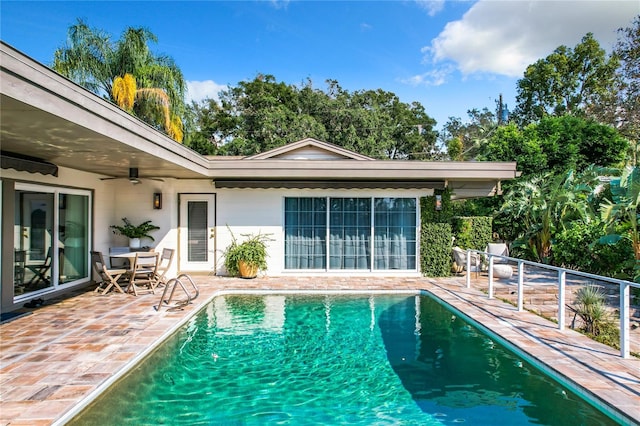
[
  {"x": 305, "y": 233},
  {"x": 33, "y": 242},
  {"x": 395, "y": 242},
  {"x": 198, "y": 241},
  {"x": 73, "y": 237},
  {"x": 350, "y": 234}
]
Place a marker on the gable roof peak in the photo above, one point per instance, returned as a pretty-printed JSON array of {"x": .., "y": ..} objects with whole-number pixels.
[{"x": 300, "y": 149}]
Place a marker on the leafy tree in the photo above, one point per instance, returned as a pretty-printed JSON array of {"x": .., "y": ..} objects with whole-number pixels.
[
  {"x": 509, "y": 143},
  {"x": 262, "y": 114},
  {"x": 465, "y": 140},
  {"x": 575, "y": 143},
  {"x": 556, "y": 144},
  {"x": 625, "y": 114},
  {"x": 92, "y": 60},
  {"x": 568, "y": 81}
]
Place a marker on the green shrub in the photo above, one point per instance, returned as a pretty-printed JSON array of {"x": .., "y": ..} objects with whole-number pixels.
[
  {"x": 435, "y": 249},
  {"x": 576, "y": 247},
  {"x": 428, "y": 211},
  {"x": 472, "y": 232}
]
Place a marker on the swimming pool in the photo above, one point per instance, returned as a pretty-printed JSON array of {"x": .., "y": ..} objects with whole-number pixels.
[{"x": 310, "y": 359}]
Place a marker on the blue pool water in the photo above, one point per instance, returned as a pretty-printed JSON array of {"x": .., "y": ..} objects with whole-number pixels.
[{"x": 368, "y": 360}]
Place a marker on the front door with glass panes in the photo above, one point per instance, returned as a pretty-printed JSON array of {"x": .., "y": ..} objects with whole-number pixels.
[{"x": 197, "y": 232}]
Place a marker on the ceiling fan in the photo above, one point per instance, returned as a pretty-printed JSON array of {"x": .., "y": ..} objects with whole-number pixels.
[{"x": 133, "y": 177}]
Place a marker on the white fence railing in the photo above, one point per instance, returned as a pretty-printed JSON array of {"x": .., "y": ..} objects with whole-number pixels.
[{"x": 561, "y": 280}]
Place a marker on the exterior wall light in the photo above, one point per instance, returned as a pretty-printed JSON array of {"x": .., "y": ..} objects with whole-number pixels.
[{"x": 157, "y": 200}]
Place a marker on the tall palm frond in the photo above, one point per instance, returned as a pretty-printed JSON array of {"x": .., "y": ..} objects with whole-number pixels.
[{"x": 124, "y": 91}]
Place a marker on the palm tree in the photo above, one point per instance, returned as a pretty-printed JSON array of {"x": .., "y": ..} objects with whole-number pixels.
[{"x": 92, "y": 60}]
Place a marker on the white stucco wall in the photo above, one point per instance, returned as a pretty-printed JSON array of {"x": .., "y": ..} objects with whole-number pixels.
[
  {"x": 247, "y": 211},
  {"x": 240, "y": 211}
]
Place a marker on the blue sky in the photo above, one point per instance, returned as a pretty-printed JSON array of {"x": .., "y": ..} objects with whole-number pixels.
[{"x": 449, "y": 56}]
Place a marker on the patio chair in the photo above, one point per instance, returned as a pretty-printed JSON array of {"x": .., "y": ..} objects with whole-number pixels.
[
  {"x": 119, "y": 262},
  {"x": 40, "y": 271},
  {"x": 166, "y": 258},
  {"x": 460, "y": 259},
  {"x": 500, "y": 249},
  {"x": 108, "y": 277},
  {"x": 144, "y": 272}
]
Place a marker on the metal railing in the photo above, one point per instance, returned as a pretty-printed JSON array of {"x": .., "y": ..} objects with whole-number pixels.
[
  {"x": 561, "y": 280},
  {"x": 191, "y": 293}
]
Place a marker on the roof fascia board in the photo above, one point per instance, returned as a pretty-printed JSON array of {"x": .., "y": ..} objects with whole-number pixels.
[{"x": 326, "y": 184}]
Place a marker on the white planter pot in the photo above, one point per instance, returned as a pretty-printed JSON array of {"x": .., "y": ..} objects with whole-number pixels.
[{"x": 134, "y": 243}]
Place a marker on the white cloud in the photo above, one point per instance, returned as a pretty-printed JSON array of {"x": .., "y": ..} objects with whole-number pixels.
[
  {"x": 431, "y": 6},
  {"x": 436, "y": 77},
  {"x": 503, "y": 37},
  {"x": 279, "y": 4},
  {"x": 200, "y": 90}
]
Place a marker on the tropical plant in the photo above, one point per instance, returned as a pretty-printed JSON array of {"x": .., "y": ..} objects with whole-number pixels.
[
  {"x": 590, "y": 306},
  {"x": 622, "y": 211},
  {"x": 544, "y": 205},
  {"x": 252, "y": 251},
  {"x": 126, "y": 72},
  {"x": 135, "y": 231}
]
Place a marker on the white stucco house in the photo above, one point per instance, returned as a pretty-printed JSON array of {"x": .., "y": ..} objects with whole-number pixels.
[{"x": 73, "y": 164}]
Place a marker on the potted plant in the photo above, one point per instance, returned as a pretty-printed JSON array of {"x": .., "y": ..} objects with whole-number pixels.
[
  {"x": 135, "y": 232},
  {"x": 245, "y": 259}
]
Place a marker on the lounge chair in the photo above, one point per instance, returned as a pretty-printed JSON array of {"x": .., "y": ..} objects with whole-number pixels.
[
  {"x": 499, "y": 249},
  {"x": 460, "y": 259}
]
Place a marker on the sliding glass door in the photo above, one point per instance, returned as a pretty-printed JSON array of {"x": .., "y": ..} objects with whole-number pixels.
[
  {"x": 51, "y": 237},
  {"x": 343, "y": 233}
]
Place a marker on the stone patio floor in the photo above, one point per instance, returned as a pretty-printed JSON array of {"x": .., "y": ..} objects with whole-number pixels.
[{"x": 55, "y": 360}]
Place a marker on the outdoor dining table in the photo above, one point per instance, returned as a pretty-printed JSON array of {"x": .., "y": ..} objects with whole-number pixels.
[{"x": 132, "y": 255}]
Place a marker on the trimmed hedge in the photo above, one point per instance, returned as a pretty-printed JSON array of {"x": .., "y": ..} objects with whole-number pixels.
[
  {"x": 435, "y": 249},
  {"x": 428, "y": 207},
  {"x": 472, "y": 232}
]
